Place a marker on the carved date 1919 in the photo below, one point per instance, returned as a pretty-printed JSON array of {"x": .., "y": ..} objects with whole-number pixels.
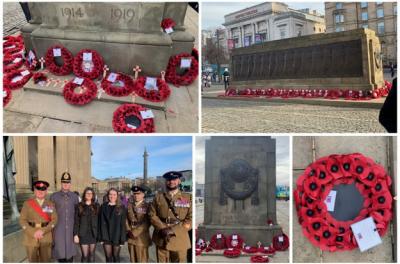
[{"x": 125, "y": 14}]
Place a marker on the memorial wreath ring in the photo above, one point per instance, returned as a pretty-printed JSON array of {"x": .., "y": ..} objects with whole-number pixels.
[
  {"x": 9, "y": 64},
  {"x": 159, "y": 95},
  {"x": 98, "y": 64},
  {"x": 218, "y": 241},
  {"x": 232, "y": 253},
  {"x": 280, "y": 245},
  {"x": 67, "y": 57},
  {"x": 250, "y": 249},
  {"x": 259, "y": 259},
  {"x": 88, "y": 94},
  {"x": 167, "y": 23},
  {"x": 186, "y": 78},
  {"x": 112, "y": 90},
  {"x": 318, "y": 179},
  {"x": 234, "y": 243},
  {"x": 7, "y": 79},
  {"x": 125, "y": 110}
]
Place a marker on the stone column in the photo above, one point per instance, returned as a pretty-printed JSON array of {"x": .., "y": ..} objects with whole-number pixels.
[
  {"x": 61, "y": 159},
  {"x": 253, "y": 27},
  {"x": 241, "y": 36},
  {"x": 22, "y": 177},
  {"x": 46, "y": 161}
]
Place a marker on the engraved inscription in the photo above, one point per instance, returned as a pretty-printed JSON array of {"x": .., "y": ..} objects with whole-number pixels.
[
  {"x": 71, "y": 12},
  {"x": 118, "y": 14}
]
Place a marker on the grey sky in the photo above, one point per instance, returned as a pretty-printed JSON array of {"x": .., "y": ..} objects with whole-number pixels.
[
  {"x": 213, "y": 12},
  {"x": 282, "y": 160}
]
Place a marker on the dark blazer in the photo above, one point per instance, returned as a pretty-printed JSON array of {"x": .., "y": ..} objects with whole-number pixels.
[
  {"x": 86, "y": 221},
  {"x": 112, "y": 226}
]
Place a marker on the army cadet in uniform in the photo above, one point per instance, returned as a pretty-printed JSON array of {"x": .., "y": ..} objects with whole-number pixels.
[
  {"x": 137, "y": 225},
  {"x": 38, "y": 218},
  {"x": 171, "y": 216}
]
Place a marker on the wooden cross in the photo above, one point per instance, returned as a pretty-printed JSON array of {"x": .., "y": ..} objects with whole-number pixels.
[
  {"x": 163, "y": 75},
  {"x": 105, "y": 70},
  {"x": 42, "y": 60},
  {"x": 136, "y": 70},
  {"x": 259, "y": 244},
  {"x": 100, "y": 92}
]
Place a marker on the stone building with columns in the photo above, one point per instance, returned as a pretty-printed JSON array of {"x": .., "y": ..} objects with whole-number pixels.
[
  {"x": 270, "y": 21},
  {"x": 47, "y": 157}
]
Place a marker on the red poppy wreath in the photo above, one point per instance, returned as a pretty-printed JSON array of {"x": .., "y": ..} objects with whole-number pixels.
[
  {"x": 153, "y": 95},
  {"x": 280, "y": 242},
  {"x": 232, "y": 253},
  {"x": 250, "y": 249},
  {"x": 122, "y": 86},
  {"x": 267, "y": 250},
  {"x": 316, "y": 182},
  {"x": 7, "y": 94},
  {"x": 189, "y": 75},
  {"x": 218, "y": 241},
  {"x": 16, "y": 79},
  {"x": 234, "y": 241},
  {"x": 259, "y": 259},
  {"x": 14, "y": 48},
  {"x": 11, "y": 63},
  {"x": 65, "y": 54},
  {"x": 88, "y": 63},
  {"x": 80, "y": 94},
  {"x": 128, "y": 119}
]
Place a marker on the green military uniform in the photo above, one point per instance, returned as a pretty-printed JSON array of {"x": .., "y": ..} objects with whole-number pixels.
[
  {"x": 35, "y": 216},
  {"x": 138, "y": 224},
  {"x": 172, "y": 210}
]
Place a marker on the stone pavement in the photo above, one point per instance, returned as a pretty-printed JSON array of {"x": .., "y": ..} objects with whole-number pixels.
[
  {"x": 25, "y": 114},
  {"x": 267, "y": 117},
  {"x": 280, "y": 257},
  {"x": 383, "y": 151}
]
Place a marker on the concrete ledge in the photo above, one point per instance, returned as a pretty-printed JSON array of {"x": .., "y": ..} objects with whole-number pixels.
[{"x": 373, "y": 104}]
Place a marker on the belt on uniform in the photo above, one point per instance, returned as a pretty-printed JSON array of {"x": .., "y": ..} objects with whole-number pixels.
[
  {"x": 136, "y": 223},
  {"x": 32, "y": 224},
  {"x": 169, "y": 221}
]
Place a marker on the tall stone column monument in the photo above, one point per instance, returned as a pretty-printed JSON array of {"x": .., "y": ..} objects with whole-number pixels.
[{"x": 240, "y": 180}]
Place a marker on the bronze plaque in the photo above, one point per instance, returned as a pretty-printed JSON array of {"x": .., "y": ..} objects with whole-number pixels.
[{"x": 342, "y": 59}]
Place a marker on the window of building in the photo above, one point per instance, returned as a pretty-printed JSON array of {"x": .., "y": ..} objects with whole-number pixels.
[
  {"x": 379, "y": 13},
  {"x": 339, "y": 5},
  {"x": 339, "y": 29},
  {"x": 339, "y": 18},
  {"x": 364, "y": 25},
  {"x": 381, "y": 28},
  {"x": 395, "y": 10},
  {"x": 364, "y": 4},
  {"x": 282, "y": 33},
  {"x": 379, "y": 3},
  {"x": 364, "y": 16}
]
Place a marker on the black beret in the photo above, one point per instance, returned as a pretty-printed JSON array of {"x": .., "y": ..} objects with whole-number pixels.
[{"x": 136, "y": 189}]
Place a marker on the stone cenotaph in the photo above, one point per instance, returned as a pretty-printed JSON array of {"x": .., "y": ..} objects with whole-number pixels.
[
  {"x": 240, "y": 181},
  {"x": 349, "y": 59},
  {"x": 125, "y": 34}
]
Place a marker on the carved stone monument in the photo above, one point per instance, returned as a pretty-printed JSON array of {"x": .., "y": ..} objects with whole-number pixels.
[
  {"x": 348, "y": 59},
  {"x": 240, "y": 180},
  {"x": 125, "y": 34}
]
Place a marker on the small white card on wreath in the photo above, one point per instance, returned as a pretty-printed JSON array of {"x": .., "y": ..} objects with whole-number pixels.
[
  {"x": 147, "y": 114},
  {"x": 57, "y": 52},
  {"x": 219, "y": 236},
  {"x": 112, "y": 77},
  {"x": 366, "y": 234},
  {"x": 169, "y": 30},
  {"x": 24, "y": 73},
  {"x": 151, "y": 83},
  {"x": 234, "y": 237},
  {"x": 10, "y": 47},
  {"x": 280, "y": 239},
  {"x": 78, "y": 81},
  {"x": 131, "y": 126},
  {"x": 4, "y": 94},
  {"x": 330, "y": 201},
  {"x": 186, "y": 63},
  {"x": 87, "y": 56},
  {"x": 17, "y": 78},
  {"x": 16, "y": 60}
]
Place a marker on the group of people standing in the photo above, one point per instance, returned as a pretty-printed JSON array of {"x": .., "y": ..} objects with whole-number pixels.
[{"x": 53, "y": 227}]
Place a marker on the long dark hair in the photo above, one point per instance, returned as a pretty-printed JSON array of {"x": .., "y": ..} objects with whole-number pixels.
[
  {"x": 93, "y": 205},
  {"x": 118, "y": 204}
]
